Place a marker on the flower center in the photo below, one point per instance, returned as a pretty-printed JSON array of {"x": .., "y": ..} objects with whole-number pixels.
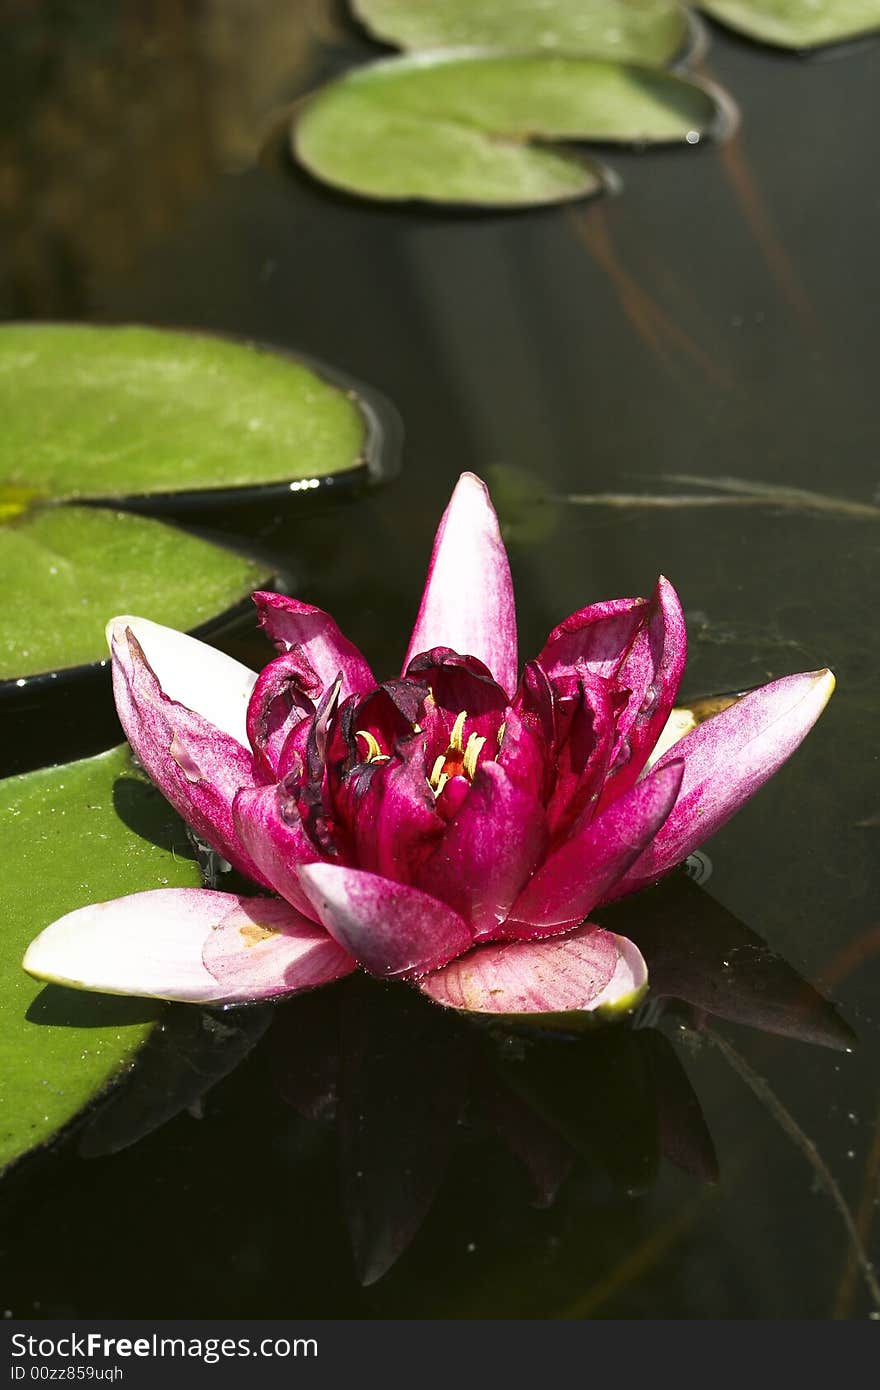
[{"x": 460, "y": 758}]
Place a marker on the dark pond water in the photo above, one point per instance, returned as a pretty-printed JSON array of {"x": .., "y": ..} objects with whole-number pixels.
[{"x": 718, "y": 318}]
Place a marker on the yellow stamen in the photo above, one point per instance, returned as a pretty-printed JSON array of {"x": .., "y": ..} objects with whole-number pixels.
[
  {"x": 441, "y": 783},
  {"x": 437, "y": 771},
  {"x": 455, "y": 737},
  {"x": 471, "y": 753},
  {"x": 374, "y": 751},
  {"x": 501, "y": 728}
]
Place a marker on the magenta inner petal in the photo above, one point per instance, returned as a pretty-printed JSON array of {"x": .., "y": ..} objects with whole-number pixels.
[{"x": 391, "y": 929}]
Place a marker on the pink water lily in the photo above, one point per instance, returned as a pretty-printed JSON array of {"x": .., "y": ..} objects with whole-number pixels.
[{"x": 455, "y": 826}]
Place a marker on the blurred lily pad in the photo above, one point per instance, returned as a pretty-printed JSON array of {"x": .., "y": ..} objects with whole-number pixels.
[
  {"x": 643, "y": 31},
  {"x": 76, "y": 834},
  {"x": 65, "y": 570},
  {"x": 797, "y": 23},
  {"x": 112, "y": 412},
  {"x": 455, "y": 126}
]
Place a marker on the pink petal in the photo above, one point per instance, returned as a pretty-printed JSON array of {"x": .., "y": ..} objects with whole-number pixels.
[
  {"x": 290, "y": 624},
  {"x": 467, "y": 602},
  {"x": 651, "y": 671},
  {"x": 389, "y": 928},
  {"x": 492, "y": 844},
  {"x": 263, "y": 948},
  {"x": 153, "y": 943},
  {"x": 581, "y": 873},
  {"x": 269, "y": 827},
  {"x": 726, "y": 760},
  {"x": 197, "y": 766},
  {"x": 597, "y": 637},
  {"x": 587, "y": 970}
]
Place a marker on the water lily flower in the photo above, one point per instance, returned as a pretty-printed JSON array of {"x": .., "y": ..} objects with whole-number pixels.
[{"x": 454, "y": 827}]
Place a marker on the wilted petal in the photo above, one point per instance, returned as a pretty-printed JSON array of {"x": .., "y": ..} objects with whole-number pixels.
[
  {"x": 153, "y": 943},
  {"x": 587, "y": 970},
  {"x": 651, "y": 671},
  {"x": 389, "y": 928},
  {"x": 285, "y": 693},
  {"x": 191, "y": 673},
  {"x": 264, "y": 948},
  {"x": 581, "y": 873},
  {"x": 468, "y": 602},
  {"x": 196, "y": 765},
  {"x": 270, "y": 829},
  {"x": 290, "y": 624},
  {"x": 726, "y": 760},
  {"x": 491, "y": 846}
]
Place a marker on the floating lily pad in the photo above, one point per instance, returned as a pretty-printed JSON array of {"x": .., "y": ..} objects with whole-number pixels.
[
  {"x": 454, "y": 126},
  {"x": 65, "y": 570},
  {"x": 797, "y": 23},
  {"x": 642, "y": 31},
  {"x": 72, "y": 835},
  {"x": 97, "y": 412}
]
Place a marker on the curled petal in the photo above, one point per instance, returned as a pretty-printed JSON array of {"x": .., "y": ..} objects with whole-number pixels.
[
  {"x": 726, "y": 760},
  {"x": 153, "y": 944},
  {"x": 596, "y": 639},
  {"x": 290, "y": 624},
  {"x": 389, "y": 928},
  {"x": 283, "y": 696},
  {"x": 193, "y": 674},
  {"x": 581, "y": 873},
  {"x": 588, "y": 970},
  {"x": 492, "y": 844},
  {"x": 196, "y": 765},
  {"x": 467, "y": 602},
  {"x": 270, "y": 828}
]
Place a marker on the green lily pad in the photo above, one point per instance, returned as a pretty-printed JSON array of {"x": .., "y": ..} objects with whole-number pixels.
[
  {"x": 72, "y": 835},
  {"x": 96, "y": 412},
  {"x": 65, "y": 570},
  {"x": 797, "y": 23},
  {"x": 640, "y": 31},
  {"x": 454, "y": 127}
]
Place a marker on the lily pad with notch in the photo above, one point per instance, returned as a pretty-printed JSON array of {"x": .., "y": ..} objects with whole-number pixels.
[
  {"x": 642, "y": 31},
  {"x": 72, "y": 835},
  {"x": 479, "y": 127},
  {"x": 797, "y": 24}
]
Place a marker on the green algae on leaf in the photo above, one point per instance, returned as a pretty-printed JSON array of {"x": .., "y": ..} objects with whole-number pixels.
[
  {"x": 65, "y": 570},
  {"x": 797, "y": 23},
  {"x": 456, "y": 126},
  {"x": 72, "y": 835},
  {"x": 643, "y": 31},
  {"x": 111, "y": 412}
]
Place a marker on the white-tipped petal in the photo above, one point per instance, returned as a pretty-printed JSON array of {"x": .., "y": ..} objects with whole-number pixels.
[
  {"x": 195, "y": 675},
  {"x": 155, "y": 944}
]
